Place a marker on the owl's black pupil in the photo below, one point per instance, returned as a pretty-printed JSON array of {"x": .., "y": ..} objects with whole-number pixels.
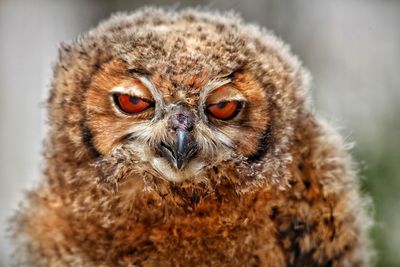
[
  {"x": 221, "y": 105},
  {"x": 134, "y": 100}
]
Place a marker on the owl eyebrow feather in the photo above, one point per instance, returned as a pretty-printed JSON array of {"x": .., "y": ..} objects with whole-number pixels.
[
  {"x": 211, "y": 86},
  {"x": 231, "y": 74},
  {"x": 215, "y": 84},
  {"x": 139, "y": 71},
  {"x": 132, "y": 91}
]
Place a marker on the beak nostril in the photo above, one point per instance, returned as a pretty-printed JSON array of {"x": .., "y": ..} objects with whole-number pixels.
[
  {"x": 182, "y": 119},
  {"x": 181, "y": 122}
]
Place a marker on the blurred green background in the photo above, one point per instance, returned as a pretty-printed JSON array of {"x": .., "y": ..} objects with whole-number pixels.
[{"x": 351, "y": 47}]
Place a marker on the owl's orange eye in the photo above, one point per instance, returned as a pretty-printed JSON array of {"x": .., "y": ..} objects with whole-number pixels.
[
  {"x": 225, "y": 110},
  {"x": 132, "y": 104}
]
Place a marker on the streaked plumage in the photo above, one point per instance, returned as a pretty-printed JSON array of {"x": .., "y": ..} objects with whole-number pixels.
[{"x": 185, "y": 138}]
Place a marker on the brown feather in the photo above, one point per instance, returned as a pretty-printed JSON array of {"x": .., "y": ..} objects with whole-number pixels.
[{"x": 283, "y": 192}]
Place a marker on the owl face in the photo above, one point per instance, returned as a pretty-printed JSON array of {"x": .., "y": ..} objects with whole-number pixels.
[
  {"x": 176, "y": 129},
  {"x": 169, "y": 95}
]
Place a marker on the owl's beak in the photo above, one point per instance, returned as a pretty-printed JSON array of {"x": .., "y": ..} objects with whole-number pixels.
[
  {"x": 181, "y": 150},
  {"x": 185, "y": 148}
]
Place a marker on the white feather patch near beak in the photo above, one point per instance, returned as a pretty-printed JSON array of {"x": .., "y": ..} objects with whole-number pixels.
[{"x": 170, "y": 173}]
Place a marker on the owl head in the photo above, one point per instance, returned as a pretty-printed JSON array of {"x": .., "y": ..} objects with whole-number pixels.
[{"x": 178, "y": 96}]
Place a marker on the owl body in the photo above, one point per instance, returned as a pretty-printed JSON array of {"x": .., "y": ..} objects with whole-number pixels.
[{"x": 185, "y": 138}]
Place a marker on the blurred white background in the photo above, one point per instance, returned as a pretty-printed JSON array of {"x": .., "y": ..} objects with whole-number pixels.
[{"x": 352, "y": 48}]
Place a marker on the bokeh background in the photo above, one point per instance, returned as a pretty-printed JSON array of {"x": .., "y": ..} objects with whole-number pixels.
[{"x": 351, "y": 47}]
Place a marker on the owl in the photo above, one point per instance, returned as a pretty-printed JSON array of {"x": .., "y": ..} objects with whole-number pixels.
[{"x": 187, "y": 138}]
